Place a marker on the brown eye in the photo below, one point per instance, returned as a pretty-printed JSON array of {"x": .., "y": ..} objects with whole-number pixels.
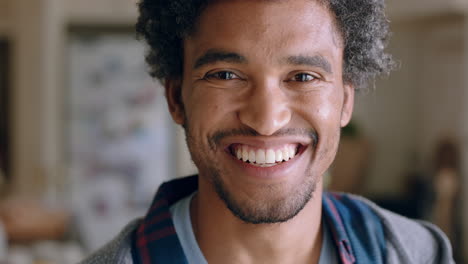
[
  {"x": 222, "y": 75},
  {"x": 303, "y": 77}
]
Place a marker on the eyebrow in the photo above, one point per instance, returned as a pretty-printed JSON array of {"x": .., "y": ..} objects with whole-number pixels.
[
  {"x": 314, "y": 61},
  {"x": 214, "y": 55}
]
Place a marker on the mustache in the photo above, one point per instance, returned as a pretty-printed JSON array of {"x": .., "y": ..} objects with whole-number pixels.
[{"x": 218, "y": 136}]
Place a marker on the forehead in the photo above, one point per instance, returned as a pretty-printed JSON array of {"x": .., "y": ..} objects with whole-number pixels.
[{"x": 266, "y": 28}]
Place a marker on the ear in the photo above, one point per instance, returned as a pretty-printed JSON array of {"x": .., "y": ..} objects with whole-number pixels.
[
  {"x": 348, "y": 104},
  {"x": 173, "y": 88}
]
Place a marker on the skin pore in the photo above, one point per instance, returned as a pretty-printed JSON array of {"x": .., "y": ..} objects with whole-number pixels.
[{"x": 261, "y": 75}]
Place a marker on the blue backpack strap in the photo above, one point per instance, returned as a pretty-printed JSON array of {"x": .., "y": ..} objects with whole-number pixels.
[{"x": 356, "y": 229}]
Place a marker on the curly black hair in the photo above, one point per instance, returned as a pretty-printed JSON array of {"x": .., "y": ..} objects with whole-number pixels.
[{"x": 362, "y": 23}]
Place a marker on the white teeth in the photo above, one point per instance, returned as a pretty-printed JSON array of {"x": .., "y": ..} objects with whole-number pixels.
[
  {"x": 239, "y": 153},
  {"x": 285, "y": 154},
  {"x": 245, "y": 154},
  {"x": 265, "y": 157},
  {"x": 279, "y": 156},
  {"x": 267, "y": 165},
  {"x": 270, "y": 156},
  {"x": 292, "y": 152},
  {"x": 252, "y": 156},
  {"x": 260, "y": 156}
]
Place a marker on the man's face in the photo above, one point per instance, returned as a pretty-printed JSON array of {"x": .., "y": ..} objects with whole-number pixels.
[{"x": 262, "y": 101}]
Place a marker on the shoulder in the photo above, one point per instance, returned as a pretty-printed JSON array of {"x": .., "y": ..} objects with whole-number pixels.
[
  {"x": 410, "y": 241},
  {"x": 117, "y": 251}
]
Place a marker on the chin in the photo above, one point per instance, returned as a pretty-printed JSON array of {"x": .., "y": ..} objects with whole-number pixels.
[{"x": 265, "y": 204}]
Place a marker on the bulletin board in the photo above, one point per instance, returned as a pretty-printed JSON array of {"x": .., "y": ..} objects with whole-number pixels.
[{"x": 119, "y": 134}]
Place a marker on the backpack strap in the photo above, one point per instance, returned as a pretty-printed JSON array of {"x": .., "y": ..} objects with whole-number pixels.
[{"x": 357, "y": 231}]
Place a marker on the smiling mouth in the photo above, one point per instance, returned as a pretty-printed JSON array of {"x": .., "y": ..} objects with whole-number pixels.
[{"x": 266, "y": 157}]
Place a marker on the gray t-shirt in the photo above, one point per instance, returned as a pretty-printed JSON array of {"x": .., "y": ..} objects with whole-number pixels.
[{"x": 181, "y": 216}]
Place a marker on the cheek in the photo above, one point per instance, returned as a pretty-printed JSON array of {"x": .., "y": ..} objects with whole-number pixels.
[
  {"x": 206, "y": 110},
  {"x": 322, "y": 110},
  {"x": 207, "y": 103},
  {"x": 324, "y": 113}
]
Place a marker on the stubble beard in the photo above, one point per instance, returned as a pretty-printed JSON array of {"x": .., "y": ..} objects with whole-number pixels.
[{"x": 266, "y": 207}]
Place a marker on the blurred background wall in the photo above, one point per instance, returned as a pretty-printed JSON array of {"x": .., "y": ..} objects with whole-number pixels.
[{"x": 400, "y": 120}]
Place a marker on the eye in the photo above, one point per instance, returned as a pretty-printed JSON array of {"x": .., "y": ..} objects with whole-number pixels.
[
  {"x": 222, "y": 75},
  {"x": 303, "y": 77}
]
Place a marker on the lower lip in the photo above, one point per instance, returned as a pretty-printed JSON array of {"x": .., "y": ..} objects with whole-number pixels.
[{"x": 273, "y": 172}]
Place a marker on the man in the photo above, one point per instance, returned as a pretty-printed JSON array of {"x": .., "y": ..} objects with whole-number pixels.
[{"x": 262, "y": 89}]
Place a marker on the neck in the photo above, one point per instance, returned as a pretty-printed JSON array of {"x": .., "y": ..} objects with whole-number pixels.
[{"x": 224, "y": 238}]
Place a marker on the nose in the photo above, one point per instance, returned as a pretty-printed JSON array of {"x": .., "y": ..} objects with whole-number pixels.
[{"x": 266, "y": 110}]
